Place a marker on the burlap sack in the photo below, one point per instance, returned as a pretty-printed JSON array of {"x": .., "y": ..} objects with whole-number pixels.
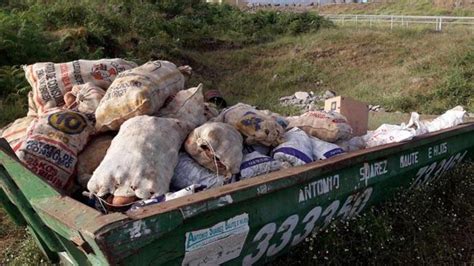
[
  {"x": 139, "y": 91},
  {"x": 186, "y": 105},
  {"x": 327, "y": 126},
  {"x": 141, "y": 158},
  {"x": 52, "y": 143},
  {"x": 15, "y": 132},
  {"x": 85, "y": 98},
  {"x": 216, "y": 146},
  {"x": 253, "y": 124},
  {"x": 51, "y": 81},
  {"x": 90, "y": 158}
]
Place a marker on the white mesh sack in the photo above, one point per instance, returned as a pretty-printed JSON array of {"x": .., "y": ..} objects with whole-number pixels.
[{"x": 141, "y": 158}]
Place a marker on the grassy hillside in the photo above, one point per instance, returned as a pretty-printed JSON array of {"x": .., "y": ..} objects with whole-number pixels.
[
  {"x": 403, "y": 70},
  {"x": 404, "y": 7}
]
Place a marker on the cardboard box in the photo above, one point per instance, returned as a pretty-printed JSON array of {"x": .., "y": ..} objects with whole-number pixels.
[{"x": 357, "y": 113}]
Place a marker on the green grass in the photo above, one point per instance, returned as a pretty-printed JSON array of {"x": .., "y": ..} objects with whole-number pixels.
[
  {"x": 405, "y": 70},
  {"x": 431, "y": 225}
]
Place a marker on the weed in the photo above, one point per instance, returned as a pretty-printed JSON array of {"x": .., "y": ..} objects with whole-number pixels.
[{"x": 427, "y": 225}]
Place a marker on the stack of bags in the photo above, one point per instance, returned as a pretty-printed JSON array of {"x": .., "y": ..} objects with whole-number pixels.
[{"x": 133, "y": 135}]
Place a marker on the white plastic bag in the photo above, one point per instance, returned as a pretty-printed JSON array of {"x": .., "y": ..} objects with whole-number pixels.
[
  {"x": 415, "y": 123},
  {"x": 90, "y": 158},
  {"x": 51, "y": 81},
  {"x": 216, "y": 146},
  {"x": 450, "y": 118},
  {"x": 324, "y": 150},
  {"x": 141, "y": 158},
  {"x": 296, "y": 150},
  {"x": 327, "y": 126},
  {"x": 253, "y": 124},
  {"x": 255, "y": 163},
  {"x": 186, "y": 105},
  {"x": 162, "y": 198},
  {"x": 85, "y": 98},
  {"x": 188, "y": 172},
  {"x": 52, "y": 144},
  {"x": 139, "y": 91},
  {"x": 390, "y": 133},
  {"x": 15, "y": 133}
]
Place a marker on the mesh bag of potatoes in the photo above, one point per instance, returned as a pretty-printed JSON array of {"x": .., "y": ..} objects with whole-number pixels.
[
  {"x": 216, "y": 146},
  {"x": 50, "y": 81},
  {"x": 253, "y": 124},
  {"x": 84, "y": 98},
  {"x": 90, "y": 158},
  {"x": 140, "y": 160},
  {"x": 139, "y": 91},
  {"x": 187, "y": 105}
]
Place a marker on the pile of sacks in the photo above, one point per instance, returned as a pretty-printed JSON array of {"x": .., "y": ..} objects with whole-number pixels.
[{"x": 133, "y": 135}]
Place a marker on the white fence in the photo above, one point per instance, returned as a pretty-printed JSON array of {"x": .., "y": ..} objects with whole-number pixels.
[{"x": 438, "y": 22}]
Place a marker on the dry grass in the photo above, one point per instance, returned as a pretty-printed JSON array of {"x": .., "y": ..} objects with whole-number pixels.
[
  {"x": 396, "y": 7},
  {"x": 376, "y": 66}
]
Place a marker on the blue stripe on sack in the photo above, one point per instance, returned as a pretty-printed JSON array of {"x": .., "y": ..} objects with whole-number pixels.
[
  {"x": 294, "y": 152},
  {"x": 254, "y": 162},
  {"x": 334, "y": 152}
]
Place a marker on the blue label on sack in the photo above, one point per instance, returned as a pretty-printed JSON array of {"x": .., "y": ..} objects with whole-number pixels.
[
  {"x": 294, "y": 152},
  {"x": 332, "y": 153}
]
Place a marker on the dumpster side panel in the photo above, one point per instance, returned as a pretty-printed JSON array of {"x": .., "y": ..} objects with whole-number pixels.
[{"x": 260, "y": 222}]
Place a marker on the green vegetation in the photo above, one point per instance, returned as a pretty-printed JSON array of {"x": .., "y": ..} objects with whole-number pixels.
[
  {"x": 431, "y": 225},
  {"x": 257, "y": 58},
  {"x": 402, "y": 70}
]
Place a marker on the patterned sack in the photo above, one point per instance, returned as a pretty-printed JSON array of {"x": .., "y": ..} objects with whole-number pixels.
[
  {"x": 327, "y": 126},
  {"x": 255, "y": 163},
  {"x": 324, "y": 150},
  {"x": 15, "y": 132},
  {"x": 189, "y": 172},
  {"x": 52, "y": 143},
  {"x": 139, "y": 91},
  {"x": 253, "y": 124},
  {"x": 51, "y": 81},
  {"x": 296, "y": 150}
]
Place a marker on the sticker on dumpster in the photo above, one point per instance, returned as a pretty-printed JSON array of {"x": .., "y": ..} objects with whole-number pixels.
[{"x": 217, "y": 244}]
